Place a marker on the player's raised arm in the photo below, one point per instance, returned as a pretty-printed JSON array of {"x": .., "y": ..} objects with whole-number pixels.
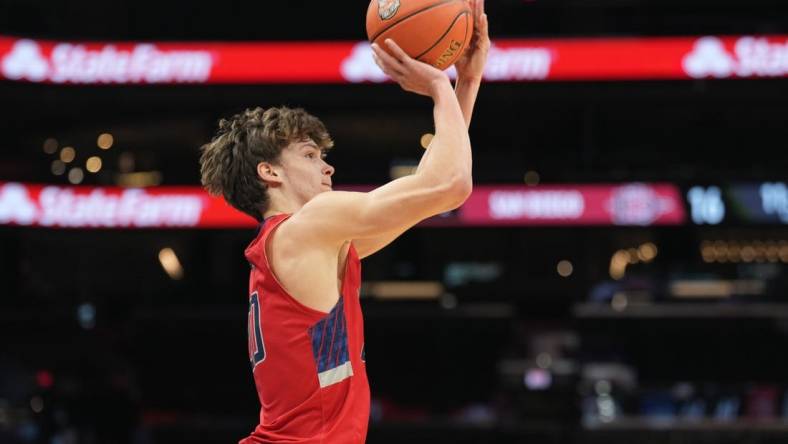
[{"x": 443, "y": 182}]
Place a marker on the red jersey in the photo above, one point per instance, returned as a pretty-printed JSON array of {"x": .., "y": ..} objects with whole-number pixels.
[{"x": 308, "y": 365}]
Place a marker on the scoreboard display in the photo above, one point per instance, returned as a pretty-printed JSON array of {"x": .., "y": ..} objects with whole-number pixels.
[{"x": 764, "y": 203}]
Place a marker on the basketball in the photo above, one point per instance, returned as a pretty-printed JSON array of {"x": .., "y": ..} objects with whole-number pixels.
[{"x": 432, "y": 31}]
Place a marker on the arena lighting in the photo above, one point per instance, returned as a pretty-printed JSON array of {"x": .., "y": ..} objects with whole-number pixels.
[
  {"x": 632, "y": 256},
  {"x": 647, "y": 252},
  {"x": 716, "y": 288},
  {"x": 448, "y": 301},
  {"x": 86, "y": 316},
  {"x": 620, "y": 302},
  {"x": 50, "y": 146},
  {"x": 93, "y": 164},
  {"x": 58, "y": 167},
  {"x": 142, "y": 179},
  {"x": 603, "y": 387},
  {"x": 618, "y": 264},
  {"x": 171, "y": 264},
  {"x": 45, "y": 379},
  {"x": 37, "y": 404},
  {"x": 759, "y": 251},
  {"x": 537, "y": 379},
  {"x": 105, "y": 141},
  {"x": 403, "y": 289},
  {"x": 531, "y": 178},
  {"x": 544, "y": 360},
  {"x": 67, "y": 154},
  {"x": 398, "y": 171},
  {"x": 126, "y": 162},
  {"x": 565, "y": 268},
  {"x": 426, "y": 139},
  {"x": 76, "y": 175}
]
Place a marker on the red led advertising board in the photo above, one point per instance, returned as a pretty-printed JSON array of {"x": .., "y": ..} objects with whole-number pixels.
[
  {"x": 510, "y": 60},
  {"x": 190, "y": 207}
]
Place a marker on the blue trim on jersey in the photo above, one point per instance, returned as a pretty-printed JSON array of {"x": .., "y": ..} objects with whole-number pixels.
[
  {"x": 256, "y": 334},
  {"x": 330, "y": 339}
]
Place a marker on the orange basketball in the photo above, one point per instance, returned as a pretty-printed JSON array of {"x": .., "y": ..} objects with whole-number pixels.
[{"x": 433, "y": 31}]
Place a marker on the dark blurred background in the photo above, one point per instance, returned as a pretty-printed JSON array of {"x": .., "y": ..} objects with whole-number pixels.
[{"x": 550, "y": 334}]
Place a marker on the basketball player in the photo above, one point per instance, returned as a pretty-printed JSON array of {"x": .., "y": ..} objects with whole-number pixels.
[{"x": 306, "y": 339}]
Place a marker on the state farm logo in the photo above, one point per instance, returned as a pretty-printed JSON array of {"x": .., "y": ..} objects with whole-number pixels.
[
  {"x": 520, "y": 63},
  {"x": 16, "y": 207},
  {"x": 25, "y": 62},
  {"x": 69, "y": 207},
  {"x": 503, "y": 64},
  {"x": 360, "y": 67},
  {"x": 709, "y": 58},
  {"x": 638, "y": 204},
  {"x": 752, "y": 57},
  {"x": 144, "y": 63}
]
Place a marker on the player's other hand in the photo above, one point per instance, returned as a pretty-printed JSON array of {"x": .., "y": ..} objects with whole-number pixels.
[
  {"x": 412, "y": 75},
  {"x": 471, "y": 64}
]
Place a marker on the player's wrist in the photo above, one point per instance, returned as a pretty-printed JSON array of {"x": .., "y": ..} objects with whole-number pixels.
[
  {"x": 440, "y": 86},
  {"x": 469, "y": 79}
]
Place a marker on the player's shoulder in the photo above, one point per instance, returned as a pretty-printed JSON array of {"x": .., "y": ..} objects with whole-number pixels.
[
  {"x": 326, "y": 209},
  {"x": 329, "y": 200},
  {"x": 315, "y": 222}
]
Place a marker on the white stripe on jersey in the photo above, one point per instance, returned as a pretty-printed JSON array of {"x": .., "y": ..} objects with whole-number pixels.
[{"x": 335, "y": 375}]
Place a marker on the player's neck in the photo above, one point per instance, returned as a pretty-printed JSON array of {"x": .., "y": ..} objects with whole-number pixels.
[{"x": 281, "y": 205}]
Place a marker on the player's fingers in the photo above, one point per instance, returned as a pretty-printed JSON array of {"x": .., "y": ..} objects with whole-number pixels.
[
  {"x": 399, "y": 53},
  {"x": 482, "y": 29},
  {"x": 473, "y": 6},
  {"x": 383, "y": 67},
  {"x": 387, "y": 62},
  {"x": 393, "y": 72},
  {"x": 384, "y": 56},
  {"x": 379, "y": 63}
]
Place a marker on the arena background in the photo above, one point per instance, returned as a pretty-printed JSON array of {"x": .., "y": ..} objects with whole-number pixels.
[{"x": 619, "y": 276}]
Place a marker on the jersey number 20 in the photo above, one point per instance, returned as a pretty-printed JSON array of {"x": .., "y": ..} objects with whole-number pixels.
[{"x": 256, "y": 345}]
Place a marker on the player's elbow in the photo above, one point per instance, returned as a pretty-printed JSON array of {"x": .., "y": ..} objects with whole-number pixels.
[{"x": 459, "y": 190}]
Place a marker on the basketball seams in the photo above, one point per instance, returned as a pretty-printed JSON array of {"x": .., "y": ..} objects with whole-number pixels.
[
  {"x": 454, "y": 22},
  {"x": 392, "y": 24}
]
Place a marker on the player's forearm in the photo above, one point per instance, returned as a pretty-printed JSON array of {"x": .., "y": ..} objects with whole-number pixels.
[
  {"x": 467, "y": 90},
  {"x": 449, "y": 155}
]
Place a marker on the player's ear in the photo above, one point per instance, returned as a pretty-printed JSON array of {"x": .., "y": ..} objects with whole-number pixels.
[{"x": 269, "y": 174}]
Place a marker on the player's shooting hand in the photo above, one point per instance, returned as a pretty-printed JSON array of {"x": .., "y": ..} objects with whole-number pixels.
[
  {"x": 412, "y": 75},
  {"x": 472, "y": 62}
]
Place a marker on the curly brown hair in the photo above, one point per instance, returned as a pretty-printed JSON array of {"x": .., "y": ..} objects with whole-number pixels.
[{"x": 228, "y": 164}]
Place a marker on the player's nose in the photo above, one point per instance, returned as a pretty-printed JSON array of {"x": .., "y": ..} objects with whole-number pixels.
[{"x": 328, "y": 170}]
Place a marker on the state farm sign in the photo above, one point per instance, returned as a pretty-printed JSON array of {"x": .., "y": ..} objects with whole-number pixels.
[
  {"x": 510, "y": 60},
  {"x": 751, "y": 57},
  {"x": 85, "y": 207},
  {"x": 70, "y": 63},
  {"x": 503, "y": 64}
]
